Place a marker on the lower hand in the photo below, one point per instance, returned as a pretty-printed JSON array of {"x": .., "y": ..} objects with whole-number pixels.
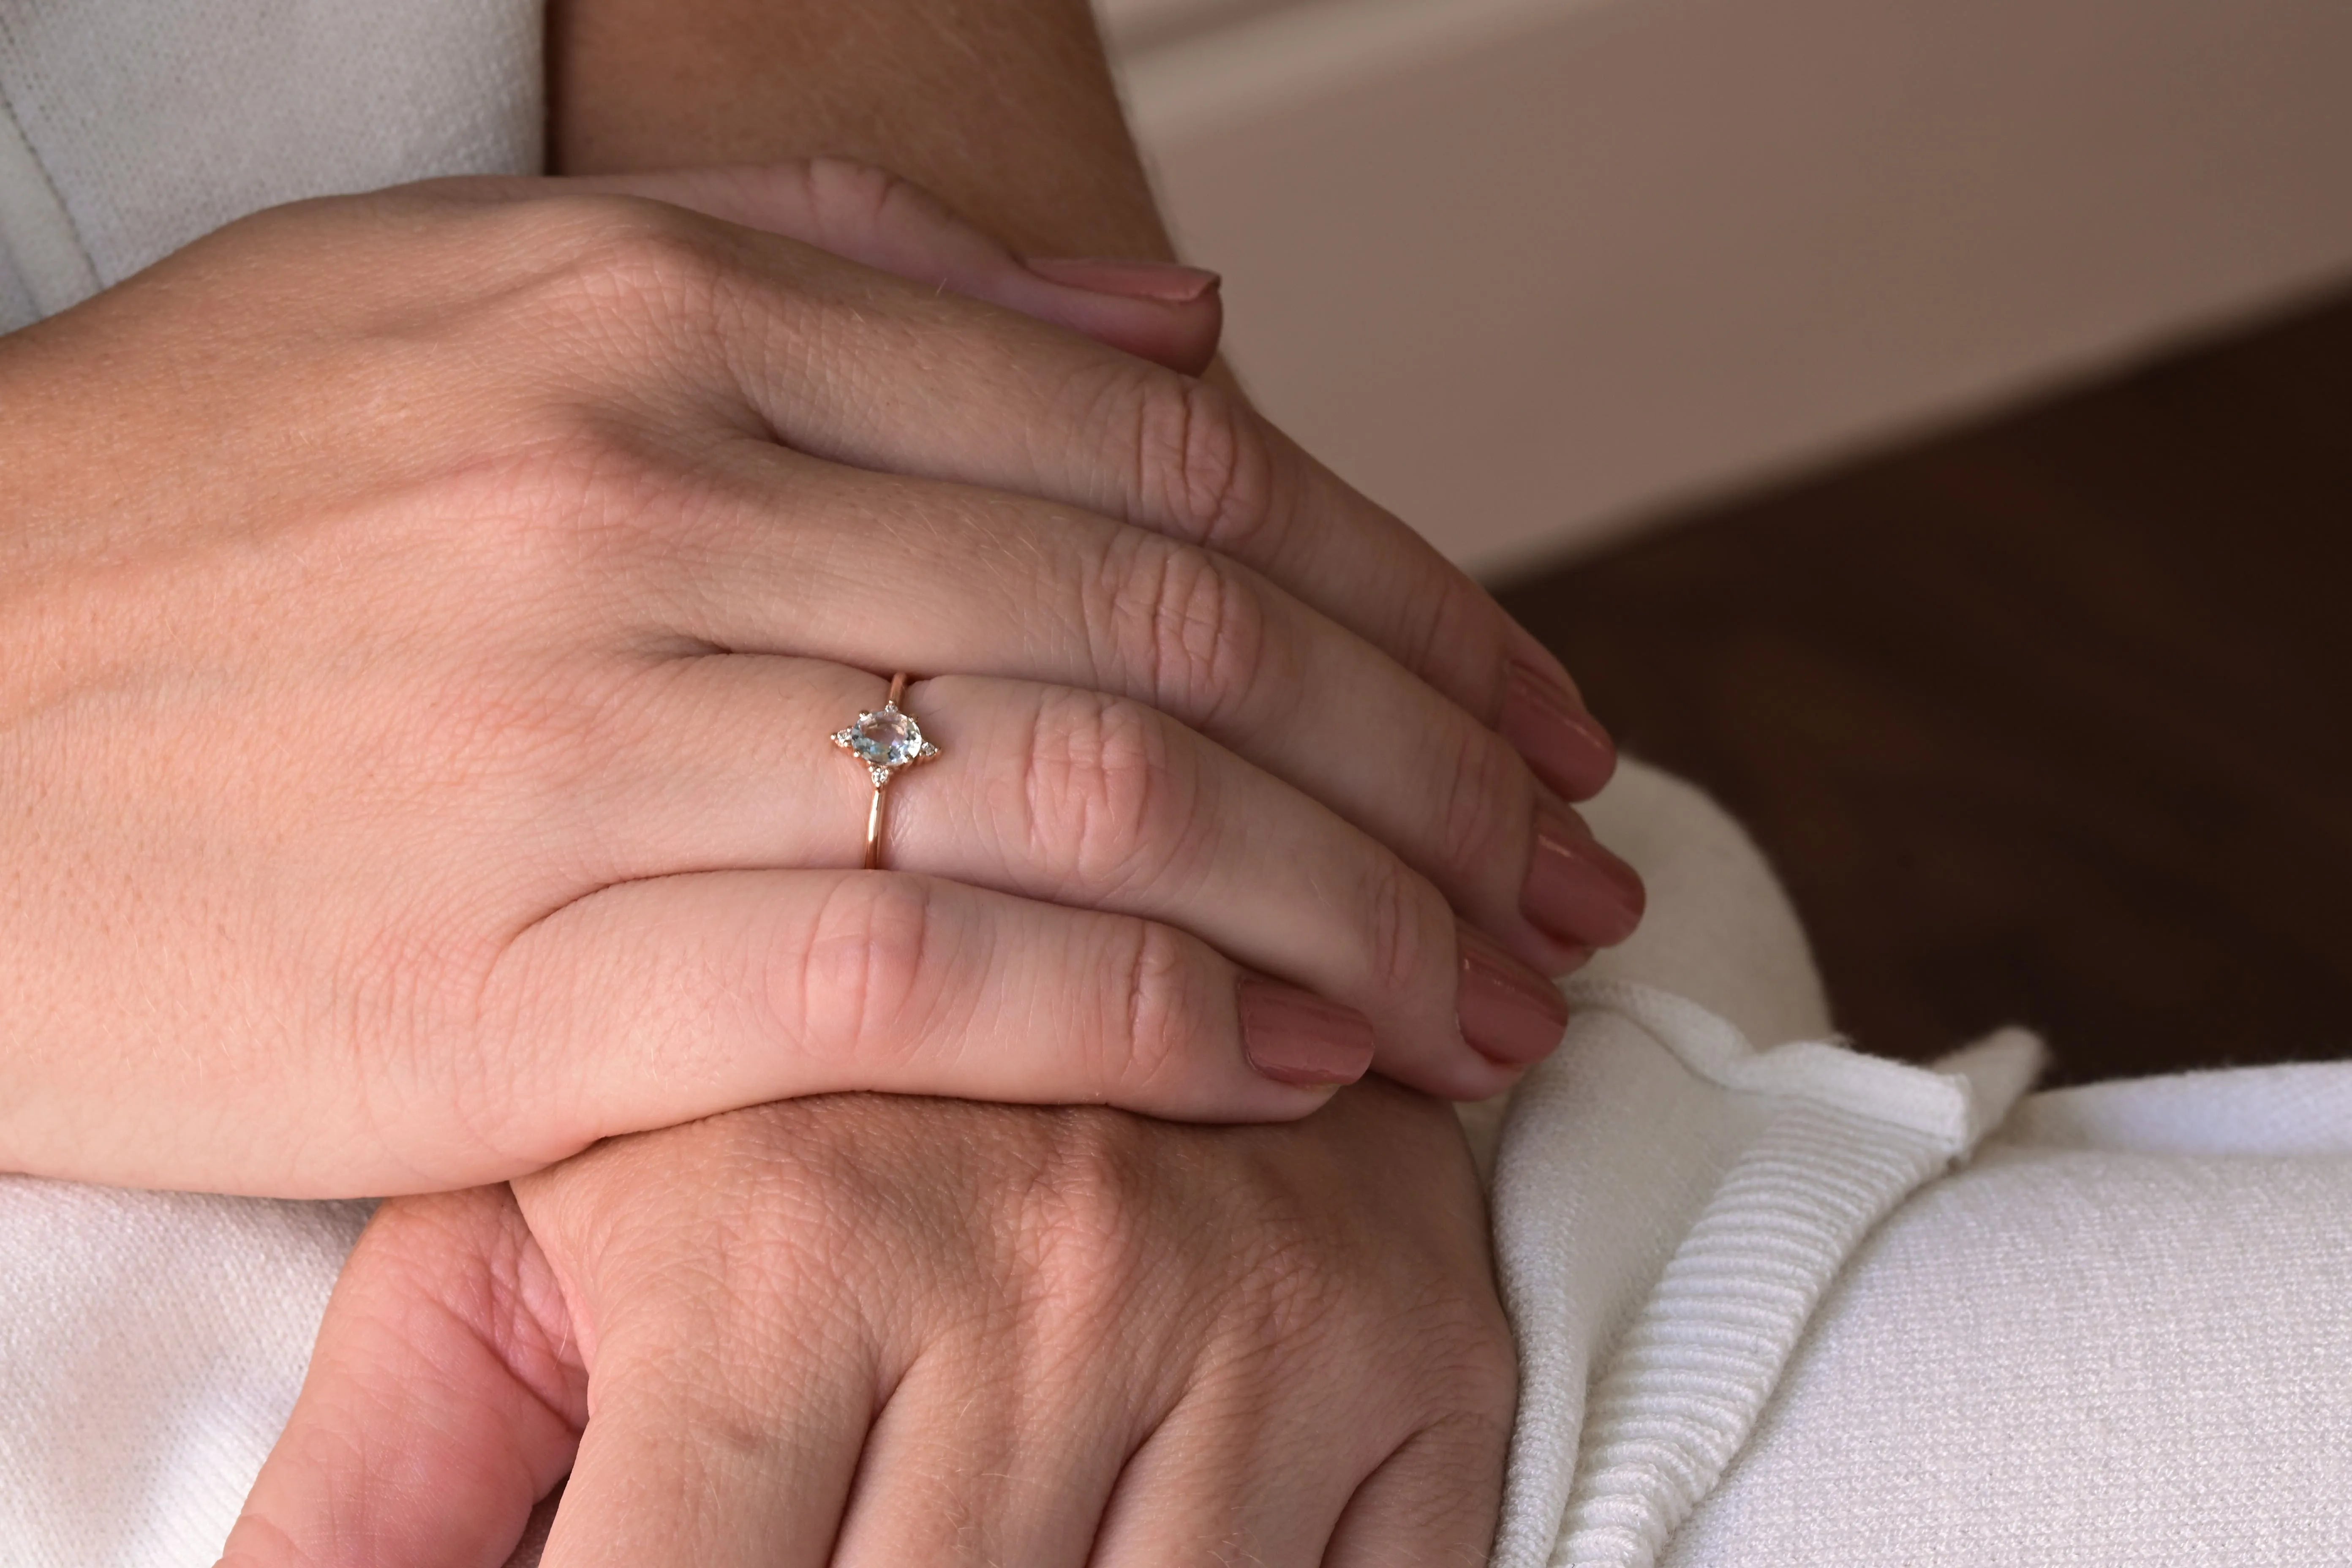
[{"x": 869, "y": 1332}]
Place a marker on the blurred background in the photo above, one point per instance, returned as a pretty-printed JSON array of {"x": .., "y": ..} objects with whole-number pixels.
[{"x": 1927, "y": 426}]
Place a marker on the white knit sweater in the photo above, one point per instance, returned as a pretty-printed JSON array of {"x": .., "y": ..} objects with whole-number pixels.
[{"x": 130, "y": 127}]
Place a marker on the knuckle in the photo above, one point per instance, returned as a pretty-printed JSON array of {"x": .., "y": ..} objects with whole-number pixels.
[
  {"x": 573, "y": 499},
  {"x": 1473, "y": 1361},
  {"x": 564, "y": 501},
  {"x": 1110, "y": 799},
  {"x": 1407, "y": 927},
  {"x": 627, "y": 250},
  {"x": 540, "y": 747},
  {"x": 1153, "y": 1016},
  {"x": 1454, "y": 636},
  {"x": 1444, "y": 1493},
  {"x": 611, "y": 275},
  {"x": 1347, "y": 1279},
  {"x": 1300, "y": 1289},
  {"x": 1482, "y": 796},
  {"x": 1191, "y": 625},
  {"x": 1080, "y": 1221},
  {"x": 863, "y": 985},
  {"x": 422, "y": 1033},
  {"x": 857, "y": 196},
  {"x": 1081, "y": 1241},
  {"x": 850, "y": 184},
  {"x": 1202, "y": 460},
  {"x": 695, "y": 1332}
]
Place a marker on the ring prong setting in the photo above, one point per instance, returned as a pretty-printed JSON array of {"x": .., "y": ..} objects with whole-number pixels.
[{"x": 886, "y": 739}]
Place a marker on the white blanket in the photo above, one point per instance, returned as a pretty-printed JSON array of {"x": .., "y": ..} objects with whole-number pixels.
[
  {"x": 1762, "y": 1318},
  {"x": 2087, "y": 1347}
]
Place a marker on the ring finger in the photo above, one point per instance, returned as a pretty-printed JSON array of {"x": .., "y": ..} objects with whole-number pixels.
[{"x": 1077, "y": 798}]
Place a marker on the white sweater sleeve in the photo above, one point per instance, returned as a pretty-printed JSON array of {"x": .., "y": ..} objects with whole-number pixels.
[{"x": 128, "y": 130}]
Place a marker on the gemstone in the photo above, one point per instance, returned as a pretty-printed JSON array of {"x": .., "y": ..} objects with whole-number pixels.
[{"x": 887, "y": 738}]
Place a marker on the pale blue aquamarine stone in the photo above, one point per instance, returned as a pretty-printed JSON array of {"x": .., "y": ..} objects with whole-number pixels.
[{"x": 888, "y": 739}]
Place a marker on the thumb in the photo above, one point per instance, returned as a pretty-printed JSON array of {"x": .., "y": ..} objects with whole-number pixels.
[
  {"x": 444, "y": 1399},
  {"x": 1155, "y": 311}
]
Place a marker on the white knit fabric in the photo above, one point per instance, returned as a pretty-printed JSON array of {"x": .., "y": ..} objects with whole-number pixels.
[
  {"x": 1758, "y": 1324},
  {"x": 1810, "y": 1149},
  {"x": 44, "y": 267},
  {"x": 151, "y": 1344},
  {"x": 2122, "y": 1336},
  {"x": 129, "y": 128},
  {"x": 1755, "y": 1328},
  {"x": 1672, "y": 1203}
]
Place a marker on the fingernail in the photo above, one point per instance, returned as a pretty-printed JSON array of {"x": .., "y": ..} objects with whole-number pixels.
[
  {"x": 1577, "y": 891},
  {"x": 1294, "y": 1038},
  {"x": 1509, "y": 1014},
  {"x": 1165, "y": 282},
  {"x": 1545, "y": 722}
]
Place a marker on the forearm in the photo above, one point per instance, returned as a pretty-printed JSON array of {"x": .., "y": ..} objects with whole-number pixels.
[{"x": 1005, "y": 108}]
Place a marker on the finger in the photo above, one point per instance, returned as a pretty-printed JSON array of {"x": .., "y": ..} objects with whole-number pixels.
[
  {"x": 1016, "y": 407},
  {"x": 1066, "y": 597},
  {"x": 653, "y": 1003},
  {"x": 442, "y": 1403},
  {"x": 1167, "y": 314},
  {"x": 1432, "y": 1504},
  {"x": 1238, "y": 1473},
  {"x": 740, "y": 1461},
  {"x": 983, "y": 1459},
  {"x": 1077, "y": 798}
]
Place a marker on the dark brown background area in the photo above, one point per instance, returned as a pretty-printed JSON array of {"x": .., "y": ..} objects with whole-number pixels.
[{"x": 2048, "y": 721}]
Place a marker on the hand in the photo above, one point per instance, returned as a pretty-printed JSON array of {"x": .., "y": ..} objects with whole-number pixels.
[
  {"x": 425, "y": 611},
  {"x": 871, "y": 1332}
]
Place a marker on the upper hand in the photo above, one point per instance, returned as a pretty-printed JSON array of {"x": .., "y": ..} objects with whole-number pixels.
[
  {"x": 425, "y": 611},
  {"x": 872, "y": 1332}
]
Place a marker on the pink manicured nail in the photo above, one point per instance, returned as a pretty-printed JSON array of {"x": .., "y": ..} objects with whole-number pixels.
[
  {"x": 1165, "y": 282},
  {"x": 1545, "y": 722},
  {"x": 1509, "y": 1014},
  {"x": 1294, "y": 1038},
  {"x": 1577, "y": 891}
]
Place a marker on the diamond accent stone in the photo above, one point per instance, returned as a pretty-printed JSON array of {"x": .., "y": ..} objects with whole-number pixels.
[{"x": 885, "y": 741}]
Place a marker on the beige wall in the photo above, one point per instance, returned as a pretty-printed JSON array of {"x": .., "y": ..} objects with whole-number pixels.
[{"x": 1531, "y": 270}]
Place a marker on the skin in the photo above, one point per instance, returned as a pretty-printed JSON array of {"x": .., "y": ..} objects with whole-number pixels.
[
  {"x": 870, "y": 1333},
  {"x": 501, "y": 832},
  {"x": 1004, "y": 108}
]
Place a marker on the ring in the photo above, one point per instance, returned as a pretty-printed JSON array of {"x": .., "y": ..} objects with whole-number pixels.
[{"x": 886, "y": 739}]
